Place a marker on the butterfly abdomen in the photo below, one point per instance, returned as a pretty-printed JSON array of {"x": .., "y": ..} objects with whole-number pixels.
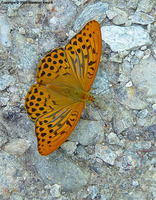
[{"x": 77, "y": 94}]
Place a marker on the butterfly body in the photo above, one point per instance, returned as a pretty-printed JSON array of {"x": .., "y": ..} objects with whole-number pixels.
[
  {"x": 64, "y": 78},
  {"x": 71, "y": 92}
]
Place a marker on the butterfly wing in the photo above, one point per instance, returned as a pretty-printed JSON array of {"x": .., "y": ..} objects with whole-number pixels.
[
  {"x": 41, "y": 99},
  {"x": 54, "y": 69},
  {"x": 53, "y": 128},
  {"x": 83, "y": 53},
  {"x": 77, "y": 63},
  {"x": 56, "y": 116}
]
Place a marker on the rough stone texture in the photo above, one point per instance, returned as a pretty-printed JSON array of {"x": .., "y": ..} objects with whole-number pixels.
[
  {"x": 3, "y": 135},
  {"x": 58, "y": 168},
  {"x": 125, "y": 38},
  {"x": 105, "y": 153},
  {"x": 113, "y": 139},
  {"x": 144, "y": 77},
  {"x": 121, "y": 17},
  {"x": 112, "y": 147},
  {"x": 64, "y": 11},
  {"x": 96, "y": 11},
  {"x": 55, "y": 191},
  {"x": 122, "y": 120},
  {"x": 93, "y": 191},
  {"x": 142, "y": 18},
  {"x": 145, "y": 5},
  {"x": 6, "y": 80},
  {"x": 79, "y": 2},
  {"x": 133, "y": 3},
  {"x": 69, "y": 147},
  {"x": 5, "y": 32},
  {"x": 88, "y": 132},
  {"x": 130, "y": 98},
  {"x": 17, "y": 147}
]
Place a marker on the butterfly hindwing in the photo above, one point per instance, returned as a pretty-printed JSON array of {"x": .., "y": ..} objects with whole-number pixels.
[
  {"x": 53, "y": 128},
  {"x": 41, "y": 99}
]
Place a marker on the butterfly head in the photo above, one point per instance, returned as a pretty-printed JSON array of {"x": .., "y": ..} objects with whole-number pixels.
[{"x": 88, "y": 97}]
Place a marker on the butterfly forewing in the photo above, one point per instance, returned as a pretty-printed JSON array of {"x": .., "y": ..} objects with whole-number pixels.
[
  {"x": 54, "y": 69},
  {"x": 83, "y": 54}
]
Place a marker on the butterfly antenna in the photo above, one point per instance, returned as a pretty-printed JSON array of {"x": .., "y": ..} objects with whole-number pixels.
[
  {"x": 96, "y": 106},
  {"x": 112, "y": 85}
]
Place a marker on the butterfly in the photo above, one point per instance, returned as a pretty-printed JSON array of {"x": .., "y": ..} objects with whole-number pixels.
[{"x": 64, "y": 78}]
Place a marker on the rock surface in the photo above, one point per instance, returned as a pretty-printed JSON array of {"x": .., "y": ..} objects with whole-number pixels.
[
  {"x": 125, "y": 38},
  {"x": 113, "y": 146}
]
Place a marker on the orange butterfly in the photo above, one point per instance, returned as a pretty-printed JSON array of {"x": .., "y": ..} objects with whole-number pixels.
[{"x": 64, "y": 78}]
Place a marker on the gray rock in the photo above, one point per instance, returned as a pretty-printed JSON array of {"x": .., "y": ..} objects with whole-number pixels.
[
  {"x": 141, "y": 145},
  {"x": 116, "y": 58},
  {"x": 150, "y": 175},
  {"x": 122, "y": 120},
  {"x": 81, "y": 153},
  {"x": 113, "y": 139},
  {"x": 154, "y": 107},
  {"x": 4, "y": 32},
  {"x": 142, "y": 18},
  {"x": 17, "y": 147},
  {"x": 133, "y": 3},
  {"x": 95, "y": 11},
  {"x": 129, "y": 84},
  {"x": 98, "y": 166},
  {"x": 135, "y": 195},
  {"x": 147, "y": 54},
  {"x": 139, "y": 54},
  {"x": 135, "y": 183},
  {"x": 130, "y": 161},
  {"x": 58, "y": 169},
  {"x": 16, "y": 197},
  {"x": 5, "y": 81},
  {"x": 154, "y": 51},
  {"x": 65, "y": 11},
  {"x": 4, "y": 101},
  {"x": 79, "y": 2},
  {"x": 150, "y": 132},
  {"x": 69, "y": 147},
  {"x": 125, "y": 38},
  {"x": 121, "y": 17},
  {"x": 3, "y": 57},
  {"x": 111, "y": 14},
  {"x": 12, "y": 9},
  {"x": 145, "y": 5},
  {"x": 125, "y": 69},
  {"x": 3, "y": 135},
  {"x": 88, "y": 132},
  {"x": 105, "y": 154},
  {"x": 9, "y": 167},
  {"x": 143, "y": 113},
  {"x": 93, "y": 191},
  {"x": 22, "y": 31},
  {"x": 55, "y": 191},
  {"x": 101, "y": 82},
  {"x": 144, "y": 78},
  {"x": 130, "y": 98}
]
